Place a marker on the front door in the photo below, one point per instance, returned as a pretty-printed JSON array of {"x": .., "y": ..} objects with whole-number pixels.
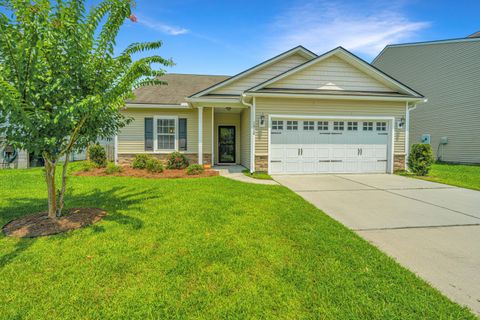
[{"x": 226, "y": 144}]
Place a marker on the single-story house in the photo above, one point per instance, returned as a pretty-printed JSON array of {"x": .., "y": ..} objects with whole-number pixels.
[
  {"x": 448, "y": 73},
  {"x": 297, "y": 112}
]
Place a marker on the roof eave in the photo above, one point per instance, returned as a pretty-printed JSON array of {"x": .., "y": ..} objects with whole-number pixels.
[
  {"x": 156, "y": 105},
  {"x": 334, "y": 96}
]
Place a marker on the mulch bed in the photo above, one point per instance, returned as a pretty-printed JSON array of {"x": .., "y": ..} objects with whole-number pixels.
[
  {"x": 130, "y": 172},
  {"x": 38, "y": 224}
]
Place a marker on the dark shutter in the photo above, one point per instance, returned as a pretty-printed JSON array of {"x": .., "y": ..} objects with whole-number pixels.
[
  {"x": 182, "y": 134},
  {"x": 148, "y": 134}
]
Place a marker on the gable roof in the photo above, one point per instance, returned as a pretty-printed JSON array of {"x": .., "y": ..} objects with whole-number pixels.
[
  {"x": 178, "y": 87},
  {"x": 351, "y": 59},
  {"x": 297, "y": 50}
]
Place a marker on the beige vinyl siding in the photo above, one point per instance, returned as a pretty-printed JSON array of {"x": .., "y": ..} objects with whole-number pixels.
[
  {"x": 131, "y": 138},
  {"x": 268, "y": 72},
  {"x": 330, "y": 74},
  {"x": 345, "y": 108},
  {"x": 448, "y": 74},
  {"x": 228, "y": 119},
  {"x": 245, "y": 138}
]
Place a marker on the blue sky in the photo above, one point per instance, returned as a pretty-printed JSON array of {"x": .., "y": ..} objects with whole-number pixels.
[{"x": 226, "y": 37}]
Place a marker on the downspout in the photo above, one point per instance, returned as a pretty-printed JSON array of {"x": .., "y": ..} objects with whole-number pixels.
[
  {"x": 252, "y": 130},
  {"x": 407, "y": 131}
]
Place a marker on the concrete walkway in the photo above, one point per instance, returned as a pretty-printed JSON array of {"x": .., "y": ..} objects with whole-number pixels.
[
  {"x": 235, "y": 172},
  {"x": 430, "y": 228}
]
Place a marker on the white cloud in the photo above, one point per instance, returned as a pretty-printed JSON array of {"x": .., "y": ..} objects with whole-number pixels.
[
  {"x": 161, "y": 27},
  {"x": 364, "y": 28}
]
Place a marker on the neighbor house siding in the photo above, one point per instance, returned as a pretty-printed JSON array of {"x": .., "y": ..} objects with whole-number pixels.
[
  {"x": 228, "y": 119},
  {"x": 330, "y": 74},
  {"x": 345, "y": 108},
  {"x": 245, "y": 138},
  {"x": 448, "y": 74},
  {"x": 268, "y": 72},
  {"x": 131, "y": 138}
]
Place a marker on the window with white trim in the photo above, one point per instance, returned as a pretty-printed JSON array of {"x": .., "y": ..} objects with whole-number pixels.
[
  {"x": 292, "y": 125},
  {"x": 166, "y": 133},
  {"x": 308, "y": 125},
  {"x": 368, "y": 126},
  {"x": 338, "y": 125},
  {"x": 277, "y": 125},
  {"x": 381, "y": 126},
  {"x": 352, "y": 126},
  {"x": 322, "y": 125}
]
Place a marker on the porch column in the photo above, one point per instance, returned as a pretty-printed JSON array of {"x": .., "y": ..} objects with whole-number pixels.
[{"x": 200, "y": 135}]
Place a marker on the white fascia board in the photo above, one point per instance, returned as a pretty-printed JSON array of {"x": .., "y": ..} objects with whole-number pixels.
[
  {"x": 334, "y": 97},
  {"x": 157, "y": 106},
  {"x": 259, "y": 66},
  {"x": 206, "y": 100}
]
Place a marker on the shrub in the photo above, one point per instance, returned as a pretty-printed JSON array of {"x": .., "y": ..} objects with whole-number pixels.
[
  {"x": 154, "y": 165},
  {"x": 113, "y": 168},
  {"x": 420, "y": 159},
  {"x": 195, "y": 169},
  {"x": 140, "y": 161},
  {"x": 177, "y": 160},
  {"x": 86, "y": 166},
  {"x": 97, "y": 155}
]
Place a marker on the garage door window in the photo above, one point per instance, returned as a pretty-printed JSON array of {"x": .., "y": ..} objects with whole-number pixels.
[
  {"x": 292, "y": 125},
  {"x": 352, "y": 126},
  {"x": 277, "y": 125},
  {"x": 322, "y": 125},
  {"x": 368, "y": 126},
  {"x": 338, "y": 125},
  {"x": 381, "y": 126},
  {"x": 308, "y": 125}
]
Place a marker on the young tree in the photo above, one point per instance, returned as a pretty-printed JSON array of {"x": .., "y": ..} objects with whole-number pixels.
[{"x": 61, "y": 86}]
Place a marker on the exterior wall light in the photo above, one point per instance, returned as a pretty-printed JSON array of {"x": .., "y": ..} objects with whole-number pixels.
[
  {"x": 401, "y": 123},
  {"x": 262, "y": 120}
]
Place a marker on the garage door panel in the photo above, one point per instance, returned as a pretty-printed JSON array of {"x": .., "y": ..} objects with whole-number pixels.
[{"x": 329, "y": 148}]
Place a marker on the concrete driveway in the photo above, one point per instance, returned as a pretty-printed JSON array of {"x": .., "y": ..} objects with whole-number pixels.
[{"x": 430, "y": 228}]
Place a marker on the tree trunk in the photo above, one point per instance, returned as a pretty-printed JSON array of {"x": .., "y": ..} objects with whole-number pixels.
[
  {"x": 50, "y": 167},
  {"x": 61, "y": 197}
]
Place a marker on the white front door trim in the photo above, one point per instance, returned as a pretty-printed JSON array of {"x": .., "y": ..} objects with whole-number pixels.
[{"x": 296, "y": 116}]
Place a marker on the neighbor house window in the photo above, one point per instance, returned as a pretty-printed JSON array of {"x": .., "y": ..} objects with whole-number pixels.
[
  {"x": 308, "y": 125},
  {"x": 352, "y": 126},
  {"x": 277, "y": 125},
  {"x": 322, "y": 125},
  {"x": 338, "y": 126},
  {"x": 292, "y": 125},
  {"x": 381, "y": 126},
  {"x": 166, "y": 133},
  {"x": 368, "y": 126}
]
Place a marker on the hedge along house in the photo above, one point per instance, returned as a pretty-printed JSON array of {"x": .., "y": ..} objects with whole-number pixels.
[{"x": 294, "y": 113}]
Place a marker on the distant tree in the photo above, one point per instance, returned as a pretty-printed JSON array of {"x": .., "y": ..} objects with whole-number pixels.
[{"x": 61, "y": 85}]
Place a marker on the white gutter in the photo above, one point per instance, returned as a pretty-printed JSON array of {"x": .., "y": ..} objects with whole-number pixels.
[
  {"x": 220, "y": 100},
  {"x": 183, "y": 105},
  {"x": 333, "y": 97},
  {"x": 252, "y": 131}
]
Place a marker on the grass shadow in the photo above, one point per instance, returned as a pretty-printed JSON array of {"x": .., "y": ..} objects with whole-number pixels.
[{"x": 115, "y": 201}]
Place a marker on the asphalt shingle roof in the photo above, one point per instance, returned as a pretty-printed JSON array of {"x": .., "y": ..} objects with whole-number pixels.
[{"x": 178, "y": 88}]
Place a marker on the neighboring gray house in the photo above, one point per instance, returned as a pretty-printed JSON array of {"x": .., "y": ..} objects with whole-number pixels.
[{"x": 448, "y": 73}]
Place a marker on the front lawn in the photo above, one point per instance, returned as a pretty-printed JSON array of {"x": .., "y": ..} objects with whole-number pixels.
[
  {"x": 464, "y": 176},
  {"x": 205, "y": 248},
  {"x": 257, "y": 175}
]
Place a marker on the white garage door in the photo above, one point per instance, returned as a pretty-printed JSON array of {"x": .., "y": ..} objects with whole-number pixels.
[{"x": 329, "y": 146}]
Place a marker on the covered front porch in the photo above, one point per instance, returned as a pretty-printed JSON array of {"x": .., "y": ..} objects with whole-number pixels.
[{"x": 228, "y": 127}]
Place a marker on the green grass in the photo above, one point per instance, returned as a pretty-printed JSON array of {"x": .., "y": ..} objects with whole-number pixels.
[
  {"x": 464, "y": 176},
  {"x": 205, "y": 248},
  {"x": 257, "y": 175}
]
